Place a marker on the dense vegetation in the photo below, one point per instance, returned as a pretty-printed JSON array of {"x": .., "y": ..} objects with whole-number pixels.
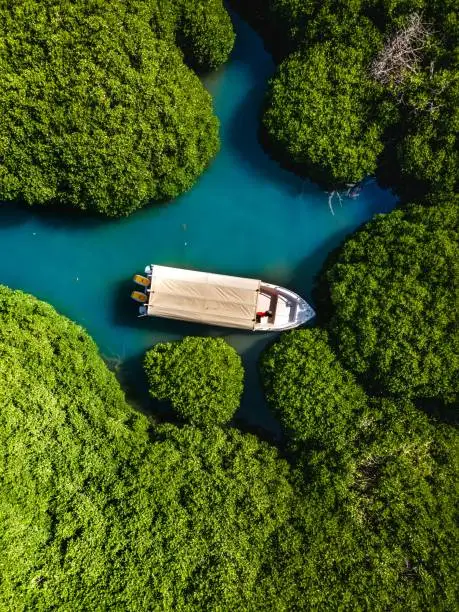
[
  {"x": 204, "y": 32},
  {"x": 345, "y": 98},
  {"x": 314, "y": 397},
  {"x": 202, "y": 378},
  {"x": 99, "y": 509},
  {"x": 379, "y": 485},
  {"x": 392, "y": 296},
  {"x": 98, "y": 109},
  {"x": 325, "y": 106},
  {"x": 102, "y": 508}
]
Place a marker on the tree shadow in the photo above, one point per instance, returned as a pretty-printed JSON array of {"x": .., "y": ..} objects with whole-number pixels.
[
  {"x": 129, "y": 373},
  {"x": 12, "y": 215},
  {"x": 261, "y": 23},
  {"x": 254, "y": 415},
  {"x": 60, "y": 216},
  {"x": 249, "y": 48},
  {"x": 243, "y": 137},
  {"x": 439, "y": 411},
  {"x": 52, "y": 214}
]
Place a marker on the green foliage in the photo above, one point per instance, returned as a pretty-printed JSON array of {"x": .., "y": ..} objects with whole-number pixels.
[
  {"x": 206, "y": 33},
  {"x": 426, "y": 137},
  {"x": 315, "y": 399},
  {"x": 393, "y": 299},
  {"x": 320, "y": 111},
  {"x": 327, "y": 118},
  {"x": 99, "y": 111},
  {"x": 378, "y": 480},
  {"x": 290, "y": 24},
  {"x": 99, "y": 510},
  {"x": 381, "y": 515},
  {"x": 428, "y": 154},
  {"x": 201, "y": 377}
]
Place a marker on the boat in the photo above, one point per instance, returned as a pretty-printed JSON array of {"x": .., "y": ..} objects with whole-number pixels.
[{"x": 217, "y": 299}]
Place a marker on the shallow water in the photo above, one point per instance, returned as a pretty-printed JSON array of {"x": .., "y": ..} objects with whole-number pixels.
[{"x": 245, "y": 216}]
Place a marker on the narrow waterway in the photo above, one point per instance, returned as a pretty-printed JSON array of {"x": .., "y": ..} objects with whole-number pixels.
[{"x": 245, "y": 216}]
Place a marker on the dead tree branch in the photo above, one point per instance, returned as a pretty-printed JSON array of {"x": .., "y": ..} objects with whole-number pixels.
[{"x": 401, "y": 53}]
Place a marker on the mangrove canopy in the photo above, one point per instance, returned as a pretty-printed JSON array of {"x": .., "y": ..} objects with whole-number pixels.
[{"x": 99, "y": 110}]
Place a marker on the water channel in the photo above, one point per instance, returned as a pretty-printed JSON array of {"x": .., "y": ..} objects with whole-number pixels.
[{"x": 245, "y": 216}]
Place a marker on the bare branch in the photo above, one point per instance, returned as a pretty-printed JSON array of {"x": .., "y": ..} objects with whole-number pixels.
[
  {"x": 330, "y": 205},
  {"x": 402, "y": 52}
]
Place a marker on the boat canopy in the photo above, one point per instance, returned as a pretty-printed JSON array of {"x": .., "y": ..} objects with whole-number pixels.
[{"x": 215, "y": 299}]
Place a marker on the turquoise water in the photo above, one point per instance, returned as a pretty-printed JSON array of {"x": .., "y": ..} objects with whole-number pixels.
[{"x": 245, "y": 216}]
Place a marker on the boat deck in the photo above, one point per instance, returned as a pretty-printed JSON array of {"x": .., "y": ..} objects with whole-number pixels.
[{"x": 271, "y": 300}]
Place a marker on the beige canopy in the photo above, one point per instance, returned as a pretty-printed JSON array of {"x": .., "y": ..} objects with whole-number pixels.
[{"x": 215, "y": 299}]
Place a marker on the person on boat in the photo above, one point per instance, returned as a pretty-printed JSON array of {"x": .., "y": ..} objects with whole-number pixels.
[{"x": 266, "y": 313}]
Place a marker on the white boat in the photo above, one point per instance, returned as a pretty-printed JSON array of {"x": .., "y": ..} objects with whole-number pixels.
[{"x": 217, "y": 299}]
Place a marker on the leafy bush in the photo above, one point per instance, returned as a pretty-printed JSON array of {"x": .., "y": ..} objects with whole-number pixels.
[
  {"x": 314, "y": 397},
  {"x": 99, "y": 111},
  {"x": 201, "y": 377},
  {"x": 205, "y": 34},
  {"x": 428, "y": 153},
  {"x": 382, "y": 526},
  {"x": 100, "y": 510},
  {"x": 393, "y": 302},
  {"x": 377, "y": 480},
  {"x": 320, "y": 111},
  {"x": 327, "y": 118}
]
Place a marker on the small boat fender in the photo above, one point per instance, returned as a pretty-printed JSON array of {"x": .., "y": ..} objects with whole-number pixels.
[
  {"x": 141, "y": 280},
  {"x": 138, "y": 296}
]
